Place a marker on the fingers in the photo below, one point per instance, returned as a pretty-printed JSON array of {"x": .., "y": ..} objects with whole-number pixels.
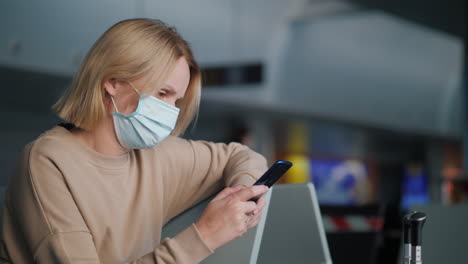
[
  {"x": 260, "y": 204},
  {"x": 249, "y": 207},
  {"x": 254, "y": 220},
  {"x": 228, "y": 191},
  {"x": 250, "y": 192}
]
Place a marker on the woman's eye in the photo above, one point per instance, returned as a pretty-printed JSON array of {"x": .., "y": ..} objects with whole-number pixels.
[{"x": 162, "y": 93}]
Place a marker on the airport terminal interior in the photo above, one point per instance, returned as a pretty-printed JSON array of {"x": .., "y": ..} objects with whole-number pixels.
[{"x": 367, "y": 98}]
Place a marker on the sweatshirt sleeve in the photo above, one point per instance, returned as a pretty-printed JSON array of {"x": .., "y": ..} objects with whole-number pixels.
[
  {"x": 198, "y": 170},
  {"x": 43, "y": 224},
  {"x": 206, "y": 168}
]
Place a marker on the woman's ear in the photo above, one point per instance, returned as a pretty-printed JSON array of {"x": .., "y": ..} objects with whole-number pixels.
[{"x": 111, "y": 86}]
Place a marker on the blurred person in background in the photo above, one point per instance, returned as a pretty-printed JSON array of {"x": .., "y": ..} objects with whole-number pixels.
[{"x": 99, "y": 188}]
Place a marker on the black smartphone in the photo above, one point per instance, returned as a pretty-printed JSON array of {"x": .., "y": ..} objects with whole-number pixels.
[{"x": 272, "y": 175}]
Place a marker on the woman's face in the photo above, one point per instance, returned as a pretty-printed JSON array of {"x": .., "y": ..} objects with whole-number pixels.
[
  {"x": 176, "y": 84},
  {"x": 126, "y": 98}
]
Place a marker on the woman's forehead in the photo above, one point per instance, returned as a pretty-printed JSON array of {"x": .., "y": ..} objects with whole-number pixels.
[{"x": 179, "y": 78}]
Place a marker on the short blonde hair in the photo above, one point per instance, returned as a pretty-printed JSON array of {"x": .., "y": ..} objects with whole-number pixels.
[{"x": 129, "y": 50}]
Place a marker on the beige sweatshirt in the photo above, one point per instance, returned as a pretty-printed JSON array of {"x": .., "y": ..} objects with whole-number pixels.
[{"x": 67, "y": 203}]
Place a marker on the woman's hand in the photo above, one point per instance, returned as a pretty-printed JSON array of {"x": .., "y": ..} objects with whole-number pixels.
[{"x": 230, "y": 214}]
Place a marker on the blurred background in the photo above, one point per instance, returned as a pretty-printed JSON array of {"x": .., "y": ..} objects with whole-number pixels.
[{"x": 365, "y": 97}]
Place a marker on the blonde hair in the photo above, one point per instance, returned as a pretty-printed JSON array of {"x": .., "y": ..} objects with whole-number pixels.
[{"x": 128, "y": 50}]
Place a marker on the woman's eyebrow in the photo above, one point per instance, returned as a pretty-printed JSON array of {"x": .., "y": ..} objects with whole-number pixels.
[
  {"x": 169, "y": 87},
  {"x": 172, "y": 90}
]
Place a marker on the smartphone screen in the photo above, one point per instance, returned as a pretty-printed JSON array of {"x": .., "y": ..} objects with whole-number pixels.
[{"x": 273, "y": 174}]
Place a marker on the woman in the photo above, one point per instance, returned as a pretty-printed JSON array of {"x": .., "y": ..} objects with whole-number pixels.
[{"x": 100, "y": 190}]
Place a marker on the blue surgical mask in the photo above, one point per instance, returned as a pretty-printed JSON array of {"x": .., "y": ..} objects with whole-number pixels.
[{"x": 151, "y": 123}]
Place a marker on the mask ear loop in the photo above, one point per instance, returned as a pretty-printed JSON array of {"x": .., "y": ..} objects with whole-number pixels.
[
  {"x": 112, "y": 98},
  {"x": 115, "y": 105},
  {"x": 131, "y": 84}
]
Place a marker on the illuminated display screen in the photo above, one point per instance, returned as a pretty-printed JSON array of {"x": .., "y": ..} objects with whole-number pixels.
[{"x": 340, "y": 182}]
